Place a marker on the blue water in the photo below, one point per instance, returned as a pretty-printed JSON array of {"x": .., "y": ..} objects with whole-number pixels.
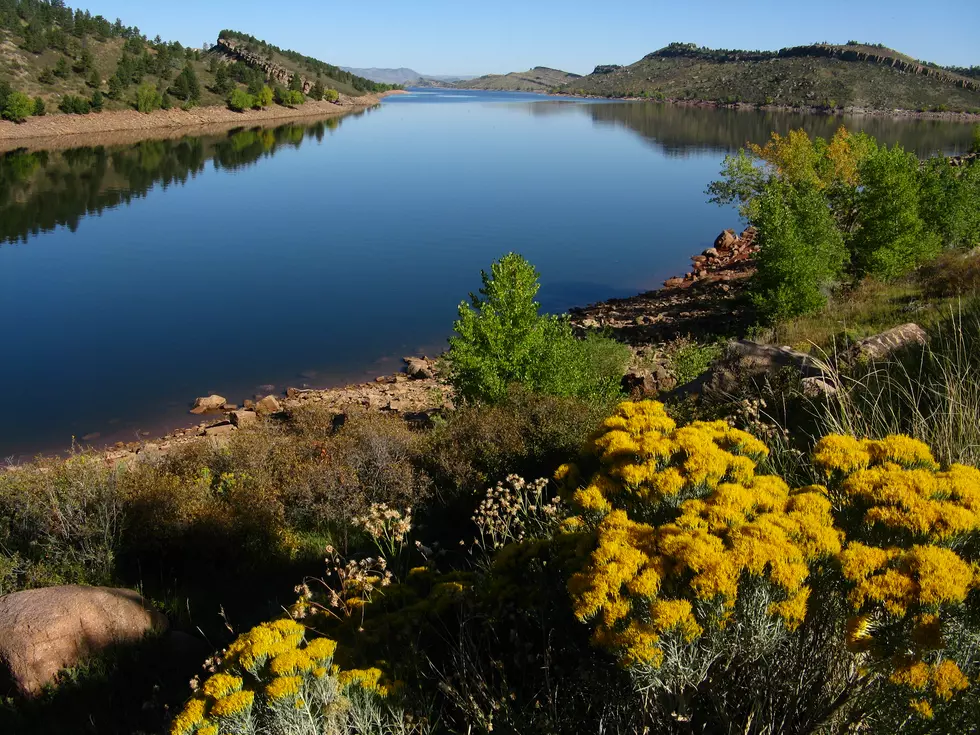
[{"x": 322, "y": 255}]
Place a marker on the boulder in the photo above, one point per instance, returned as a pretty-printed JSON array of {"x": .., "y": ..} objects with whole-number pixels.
[
  {"x": 243, "y": 418},
  {"x": 418, "y": 368},
  {"x": 640, "y": 383},
  {"x": 726, "y": 240},
  {"x": 210, "y": 403},
  {"x": 818, "y": 388},
  {"x": 43, "y": 631},
  {"x": 751, "y": 361},
  {"x": 219, "y": 429},
  {"x": 885, "y": 344},
  {"x": 267, "y": 406},
  {"x": 249, "y": 404},
  {"x": 710, "y": 253}
]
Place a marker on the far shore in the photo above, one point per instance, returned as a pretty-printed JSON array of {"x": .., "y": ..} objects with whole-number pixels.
[{"x": 128, "y": 126}]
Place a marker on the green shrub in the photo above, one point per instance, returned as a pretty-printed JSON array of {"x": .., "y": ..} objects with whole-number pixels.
[
  {"x": 148, "y": 98},
  {"x": 891, "y": 238},
  {"x": 98, "y": 101},
  {"x": 72, "y": 104},
  {"x": 289, "y": 97},
  {"x": 690, "y": 359},
  {"x": 18, "y": 107},
  {"x": 240, "y": 100},
  {"x": 501, "y": 339},
  {"x": 331, "y": 95},
  {"x": 264, "y": 98},
  {"x": 949, "y": 202},
  {"x": 39, "y": 108},
  {"x": 802, "y": 252}
]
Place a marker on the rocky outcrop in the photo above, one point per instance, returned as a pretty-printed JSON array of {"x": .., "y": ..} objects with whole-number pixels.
[
  {"x": 607, "y": 68},
  {"x": 43, "y": 631},
  {"x": 273, "y": 71}
]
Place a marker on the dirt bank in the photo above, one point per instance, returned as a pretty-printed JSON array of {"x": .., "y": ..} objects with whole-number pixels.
[{"x": 67, "y": 131}]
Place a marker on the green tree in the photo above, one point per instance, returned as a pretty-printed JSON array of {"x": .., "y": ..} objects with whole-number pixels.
[
  {"x": 61, "y": 69},
  {"x": 801, "y": 254},
  {"x": 891, "y": 237},
  {"x": 166, "y": 102},
  {"x": 501, "y": 339},
  {"x": 264, "y": 97},
  {"x": 5, "y": 92},
  {"x": 18, "y": 107},
  {"x": 223, "y": 83},
  {"x": 98, "y": 101},
  {"x": 46, "y": 76},
  {"x": 148, "y": 98},
  {"x": 95, "y": 79},
  {"x": 296, "y": 83},
  {"x": 240, "y": 100},
  {"x": 187, "y": 87},
  {"x": 85, "y": 62},
  {"x": 116, "y": 87},
  {"x": 40, "y": 110},
  {"x": 317, "y": 91},
  {"x": 331, "y": 95}
]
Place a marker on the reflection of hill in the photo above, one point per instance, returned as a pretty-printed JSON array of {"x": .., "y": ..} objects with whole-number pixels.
[
  {"x": 42, "y": 190},
  {"x": 679, "y": 130}
]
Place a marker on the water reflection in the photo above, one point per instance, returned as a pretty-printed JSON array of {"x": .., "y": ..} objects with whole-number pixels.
[
  {"x": 679, "y": 131},
  {"x": 42, "y": 190}
]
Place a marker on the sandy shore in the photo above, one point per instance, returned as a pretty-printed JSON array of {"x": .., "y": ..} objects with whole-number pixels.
[{"x": 127, "y": 126}]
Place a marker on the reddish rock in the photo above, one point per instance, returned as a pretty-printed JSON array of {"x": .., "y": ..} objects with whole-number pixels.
[{"x": 43, "y": 631}]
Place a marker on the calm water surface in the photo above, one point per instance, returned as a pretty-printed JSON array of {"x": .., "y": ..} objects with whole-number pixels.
[{"x": 134, "y": 278}]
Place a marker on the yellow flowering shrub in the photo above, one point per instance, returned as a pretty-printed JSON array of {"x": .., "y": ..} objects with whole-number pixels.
[
  {"x": 272, "y": 674},
  {"x": 642, "y": 581},
  {"x": 685, "y": 539}
]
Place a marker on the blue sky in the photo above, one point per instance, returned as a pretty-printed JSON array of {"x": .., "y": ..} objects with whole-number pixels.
[{"x": 443, "y": 37}]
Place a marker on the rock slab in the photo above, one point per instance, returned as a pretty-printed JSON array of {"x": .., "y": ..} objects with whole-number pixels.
[{"x": 45, "y": 630}]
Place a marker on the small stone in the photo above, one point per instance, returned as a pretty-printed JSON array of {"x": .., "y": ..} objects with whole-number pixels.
[
  {"x": 249, "y": 404},
  {"x": 210, "y": 403},
  {"x": 219, "y": 430},
  {"x": 241, "y": 419},
  {"x": 268, "y": 405}
]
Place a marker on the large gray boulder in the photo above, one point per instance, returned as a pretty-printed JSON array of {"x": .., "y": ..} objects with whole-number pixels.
[
  {"x": 882, "y": 346},
  {"x": 45, "y": 630}
]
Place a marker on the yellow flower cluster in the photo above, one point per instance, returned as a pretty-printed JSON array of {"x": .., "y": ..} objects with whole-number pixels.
[
  {"x": 899, "y": 580},
  {"x": 367, "y": 679},
  {"x": 271, "y": 652},
  {"x": 645, "y": 456},
  {"x": 643, "y": 582},
  {"x": 944, "y": 679}
]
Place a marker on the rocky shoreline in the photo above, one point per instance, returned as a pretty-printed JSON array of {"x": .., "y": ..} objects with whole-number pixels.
[
  {"x": 38, "y": 131},
  {"x": 707, "y": 301}
]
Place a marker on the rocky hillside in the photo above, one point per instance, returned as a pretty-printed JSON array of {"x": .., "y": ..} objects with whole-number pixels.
[
  {"x": 821, "y": 75},
  {"x": 538, "y": 79},
  {"x": 280, "y": 65}
]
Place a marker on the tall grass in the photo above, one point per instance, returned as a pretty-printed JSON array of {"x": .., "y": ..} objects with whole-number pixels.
[{"x": 931, "y": 393}]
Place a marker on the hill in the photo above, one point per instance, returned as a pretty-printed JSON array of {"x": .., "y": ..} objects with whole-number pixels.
[
  {"x": 72, "y": 60},
  {"x": 821, "y": 75},
  {"x": 538, "y": 79},
  {"x": 407, "y": 77}
]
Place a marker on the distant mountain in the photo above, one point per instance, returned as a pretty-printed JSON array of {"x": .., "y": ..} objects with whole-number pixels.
[
  {"x": 404, "y": 76},
  {"x": 850, "y": 75},
  {"x": 538, "y": 79}
]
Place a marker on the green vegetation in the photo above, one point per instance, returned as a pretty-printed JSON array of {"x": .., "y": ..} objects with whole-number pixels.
[
  {"x": 52, "y": 52},
  {"x": 502, "y": 340},
  {"x": 817, "y": 76},
  {"x": 297, "y": 64},
  {"x": 18, "y": 107},
  {"x": 827, "y": 211}
]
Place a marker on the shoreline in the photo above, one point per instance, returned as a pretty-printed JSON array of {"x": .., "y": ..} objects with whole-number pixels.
[
  {"x": 69, "y": 131},
  {"x": 707, "y": 298},
  {"x": 948, "y": 116}
]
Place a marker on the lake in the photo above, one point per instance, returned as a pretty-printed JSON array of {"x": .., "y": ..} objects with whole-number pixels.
[{"x": 134, "y": 278}]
